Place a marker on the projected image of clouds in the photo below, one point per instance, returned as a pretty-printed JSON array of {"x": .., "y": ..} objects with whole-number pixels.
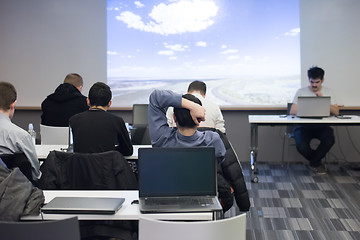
[{"x": 246, "y": 51}]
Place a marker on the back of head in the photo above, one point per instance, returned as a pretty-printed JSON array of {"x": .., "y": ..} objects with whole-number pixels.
[
  {"x": 197, "y": 86},
  {"x": 100, "y": 94},
  {"x": 183, "y": 116},
  {"x": 74, "y": 79},
  {"x": 7, "y": 95},
  {"x": 315, "y": 73}
]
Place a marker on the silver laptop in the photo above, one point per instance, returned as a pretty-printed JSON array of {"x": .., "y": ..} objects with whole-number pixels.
[
  {"x": 313, "y": 107},
  {"x": 83, "y": 205},
  {"x": 178, "y": 180}
]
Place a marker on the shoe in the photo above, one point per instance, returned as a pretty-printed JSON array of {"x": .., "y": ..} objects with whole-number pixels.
[{"x": 320, "y": 170}]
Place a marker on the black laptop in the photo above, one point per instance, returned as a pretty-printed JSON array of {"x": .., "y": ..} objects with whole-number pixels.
[
  {"x": 178, "y": 180},
  {"x": 83, "y": 205}
]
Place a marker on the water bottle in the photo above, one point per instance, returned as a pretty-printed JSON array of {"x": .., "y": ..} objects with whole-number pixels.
[{"x": 32, "y": 133}]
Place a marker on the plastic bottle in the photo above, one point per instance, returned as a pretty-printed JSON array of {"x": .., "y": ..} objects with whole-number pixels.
[{"x": 32, "y": 133}]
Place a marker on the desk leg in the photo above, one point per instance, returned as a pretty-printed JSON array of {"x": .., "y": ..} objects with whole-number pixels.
[{"x": 253, "y": 152}]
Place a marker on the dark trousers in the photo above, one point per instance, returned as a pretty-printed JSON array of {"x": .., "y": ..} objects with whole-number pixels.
[{"x": 303, "y": 136}]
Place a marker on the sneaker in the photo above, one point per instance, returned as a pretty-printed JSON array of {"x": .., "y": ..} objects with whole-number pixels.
[{"x": 321, "y": 170}]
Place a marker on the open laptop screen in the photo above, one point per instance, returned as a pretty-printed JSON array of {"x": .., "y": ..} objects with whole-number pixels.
[{"x": 177, "y": 172}]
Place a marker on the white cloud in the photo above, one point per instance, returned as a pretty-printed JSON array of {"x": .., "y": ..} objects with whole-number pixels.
[
  {"x": 223, "y": 46},
  {"x": 176, "y": 47},
  {"x": 233, "y": 57},
  {"x": 138, "y": 4},
  {"x": 166, "y": 52},
  {"x": 174, "y": 18},
  {"x": 293, "y": 32},
  {"x": 229, "y": 51},
  {"x": 201, "y": 44},
  {"x": 173, "y": 58}
]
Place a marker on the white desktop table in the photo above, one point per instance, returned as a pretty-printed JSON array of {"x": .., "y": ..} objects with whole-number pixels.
[
  {"x": 276, "y": 120},
  {"x": 128, "y": 211},
  {"x": 43, "y": 151}
]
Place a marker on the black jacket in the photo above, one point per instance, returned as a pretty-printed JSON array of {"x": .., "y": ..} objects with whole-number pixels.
[
  {"x": 87, "y": 171},
  {"x": 59, "y": 106},
  {"x": 231, "y": 171}
]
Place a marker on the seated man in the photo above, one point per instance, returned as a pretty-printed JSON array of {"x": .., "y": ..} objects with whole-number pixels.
[
  {"x": 97, "y": 130},
  {"x": 65, "y": 102},
  {"x": 305, "y": 133},
  {"x": 188, "y": 112},
  {"x": 213, "y": 115},
  {"x": 14, "y": 139}
]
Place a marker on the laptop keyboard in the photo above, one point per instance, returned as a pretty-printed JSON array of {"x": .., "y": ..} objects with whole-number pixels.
[{"x": 183, "y": 200}]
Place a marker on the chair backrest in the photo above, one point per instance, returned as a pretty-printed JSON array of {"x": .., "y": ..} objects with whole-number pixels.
[
  {"x": 41, "y": 230},
  {"x": 230, "y": 229},
  {"x": 54, "y": 135}
]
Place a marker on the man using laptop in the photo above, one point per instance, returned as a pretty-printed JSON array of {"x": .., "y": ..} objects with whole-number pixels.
[{"x": 304, "y": 134}]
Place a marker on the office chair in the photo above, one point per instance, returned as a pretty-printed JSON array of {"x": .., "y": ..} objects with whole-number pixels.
[
  {"x": 54, "y": 135},
  {"x": 233, "y": 228},
  {"x": 41, "y": 230}
]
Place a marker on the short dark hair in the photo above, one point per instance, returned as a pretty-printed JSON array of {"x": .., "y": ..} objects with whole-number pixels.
[
  {"x": 183, "y": 116},
  {"x": 316, "y": 73},
  {"x": 7, "y": 95},
  {"x": 197, "y": 86},
  {"x": 99, "y": 94},
  {"x": 74, "y": 79}
]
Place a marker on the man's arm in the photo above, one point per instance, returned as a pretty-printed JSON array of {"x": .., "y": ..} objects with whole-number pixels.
[
  {"x": 27, "y": 147},
  {"x": 159, "y": 101},
  {"x": 334, "y": 109},
  {"x": 293, "y": 109}
]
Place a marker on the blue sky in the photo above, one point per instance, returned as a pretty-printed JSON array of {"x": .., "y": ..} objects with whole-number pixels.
[{"x": 188, "y": 39}]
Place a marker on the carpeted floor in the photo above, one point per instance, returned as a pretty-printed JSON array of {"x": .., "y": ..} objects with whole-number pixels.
[{"x": 291, "y": 202}]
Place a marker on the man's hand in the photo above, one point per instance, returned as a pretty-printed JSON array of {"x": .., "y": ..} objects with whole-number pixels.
[
  {"x": 319, "y": 94},
  {"x": 197, "y": 112}
]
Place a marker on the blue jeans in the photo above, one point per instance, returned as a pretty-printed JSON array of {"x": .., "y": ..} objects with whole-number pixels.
[{"x": 303, "y": 136}]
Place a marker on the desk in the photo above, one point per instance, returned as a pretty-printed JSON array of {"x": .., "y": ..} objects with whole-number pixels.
[
  {"x": 127, "y": 212},
  {"x": 42, "y": 151},
  {"x": 282, "y": 120}
]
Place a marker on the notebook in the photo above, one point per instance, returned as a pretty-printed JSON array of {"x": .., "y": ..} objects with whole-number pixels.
[
  {"x": 178, "y": 180},
  {"x": 83, "y": 205},
  {"x": 313, "y": 107}
]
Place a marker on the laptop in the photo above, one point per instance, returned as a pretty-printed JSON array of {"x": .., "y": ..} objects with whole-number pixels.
[
  {"x": 83, "y": 205},
  {"x": 313, "y": 106},
  {"x": 178, "y": 180}
]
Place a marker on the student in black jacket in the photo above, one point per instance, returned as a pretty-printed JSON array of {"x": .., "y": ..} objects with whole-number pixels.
[
  {"x": 65, "y": 102},
  {"x": 97, "y": 130}
]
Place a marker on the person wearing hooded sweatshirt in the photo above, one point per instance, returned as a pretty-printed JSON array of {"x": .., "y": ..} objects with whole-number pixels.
[{"x": 65, "y": 102}]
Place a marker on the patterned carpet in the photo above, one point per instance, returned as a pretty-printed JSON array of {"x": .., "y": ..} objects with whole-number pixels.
[{"x": 291, "y": 202}]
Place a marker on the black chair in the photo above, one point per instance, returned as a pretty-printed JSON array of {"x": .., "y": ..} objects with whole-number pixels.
[
  {"x": 21, "y": 161},
  {"x": 41, "y": 230}
]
